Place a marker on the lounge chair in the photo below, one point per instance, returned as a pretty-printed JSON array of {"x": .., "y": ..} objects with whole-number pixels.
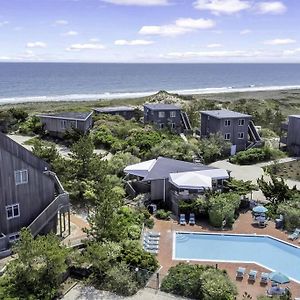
[
  {"x": 151, "y": 238},
  {"x": 252, "y": 275},
  {"x": 264, "y": 278},
  {"x": 182, "y": 219},
  {"x": 150, "y": 247},
  {"x": 294, "y": 235},
  {"x": 152, "y": 251},
  {"x": 240, "y": 272},
  {"x": 192, "y": 220},
  {"x": 153, "y": 233},
  {"x": 151, "y": 242}
]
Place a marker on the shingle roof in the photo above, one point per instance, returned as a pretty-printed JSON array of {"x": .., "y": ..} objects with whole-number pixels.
[
  {"x": 114, "y": 109},
  {"x": 224, "y": 113},
  {"x": 162, "y": 106},
  {"x": 81, "y": 116},
  {"x": 164, "y": 166},
  {"x": 295, "y": 116}
]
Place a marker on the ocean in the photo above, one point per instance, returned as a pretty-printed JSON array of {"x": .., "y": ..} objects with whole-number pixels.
[{"x": 27, "y": 82}]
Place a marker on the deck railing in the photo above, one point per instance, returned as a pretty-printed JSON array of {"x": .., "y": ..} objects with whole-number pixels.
[{"x": 3, "y": 242}]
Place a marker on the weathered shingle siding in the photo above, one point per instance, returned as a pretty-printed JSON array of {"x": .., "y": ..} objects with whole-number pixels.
[
  {"x": 32, "y": 197},
  {"x": 293, "y": 136}
]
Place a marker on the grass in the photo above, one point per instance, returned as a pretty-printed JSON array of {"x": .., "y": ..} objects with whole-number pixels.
[{"x": 289, "y": 170}]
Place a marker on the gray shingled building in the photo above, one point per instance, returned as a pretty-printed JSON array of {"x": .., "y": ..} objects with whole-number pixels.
[
  {"x": 235, "y": 127},
  {"x": 290, "y": 134},
  {"x": 127, "y": 112}
]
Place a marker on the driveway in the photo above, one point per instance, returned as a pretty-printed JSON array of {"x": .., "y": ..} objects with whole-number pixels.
[{"x": 80, "y": 292}]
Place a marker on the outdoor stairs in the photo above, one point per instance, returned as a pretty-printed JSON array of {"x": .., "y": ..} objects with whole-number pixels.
[
  {"x": 255, "y": 138},
  {"x": 186, "y": 121},
  {"x": 129, "y": 189}
]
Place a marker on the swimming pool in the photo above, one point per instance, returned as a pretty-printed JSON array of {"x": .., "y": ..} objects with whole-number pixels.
[{"x": 266, "y": 251}]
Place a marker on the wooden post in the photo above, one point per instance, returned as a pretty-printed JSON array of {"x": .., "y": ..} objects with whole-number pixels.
[
  {"x": 69, "y": 222},
  {"x": 60, "y": 224},
  {"x": 64, "y": 218}
]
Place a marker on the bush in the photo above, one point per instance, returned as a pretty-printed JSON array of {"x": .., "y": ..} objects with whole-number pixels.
[
  {"x": 163, "y": 214},
  {"x": 32, "y": 126},
  {"x": 199, "y": 282},
  {"x": 291, "y": 213}
]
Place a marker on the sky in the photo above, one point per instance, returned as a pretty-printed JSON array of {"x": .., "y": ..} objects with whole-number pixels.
[{"x": 146, "y": 31}]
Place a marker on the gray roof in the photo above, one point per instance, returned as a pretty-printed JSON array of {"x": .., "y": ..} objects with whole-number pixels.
[
  {"x": 162, "y": 106},
  {"x": 80, "y": 116},
  {"x": 164, "y": 166},
  {"x": 295, "y": 116},
  {"x": 114, "y": 109},
  {"x": 224, "y": 114}
]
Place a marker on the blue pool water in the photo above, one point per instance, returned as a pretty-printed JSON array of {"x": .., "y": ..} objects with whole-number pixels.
[{"x": 263, "y": 250}]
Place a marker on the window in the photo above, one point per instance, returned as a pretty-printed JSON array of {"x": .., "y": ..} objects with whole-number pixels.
[
  {"x": 173, "y": 114},
  {"x": 161, "y": 125},
  {"x": 63, "y": 124},
  {"x": 12, "y": 211},
  {"x": 241, "y": 135},
  {"x": 173, "y": 125},
  {"x": 73, "y": 124},
  {"x": 21, "y": 177},
  {"x": 241, "y": 122},
  {"x": 14, "y": 237},
  {"x": 227, "y": 122},
  {"x": 227, "y": 136},
  {"x": 161, "y": 114}
]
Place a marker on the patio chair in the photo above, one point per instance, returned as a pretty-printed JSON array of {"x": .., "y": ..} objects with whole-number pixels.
[
  {"x": 240, "y": 272},
  {"x": 182, "y": 219},
  {"x": 264, "y": 278},
  {"x": 252, "y": 275},
  {"x": 192, "y": 220},
  {"x": 294, "y": 235}
]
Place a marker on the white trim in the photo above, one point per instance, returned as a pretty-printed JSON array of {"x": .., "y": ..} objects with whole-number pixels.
[
  {"x": 228, "y": 133},
  {"x": 227, "y": 122},
  {"x": 239, "y": 135},
  {"x": 161, "y": 114},
  {"x": 173, "y": 114},
  {"x": 21, "y": 176},
  {"x": 241, "y": 122},
  {"x": 64, "y": 118},
  {"x": 230, "y": 261},
  {"x": 8, "y": 207}
]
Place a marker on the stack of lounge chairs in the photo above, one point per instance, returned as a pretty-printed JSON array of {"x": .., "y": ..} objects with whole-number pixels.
[
  {"x": 295, "y": 235},
  {"x": 182, "y": 219},
  {"x": 151, "y": 242},
  {"x": 252, "y": 275}
]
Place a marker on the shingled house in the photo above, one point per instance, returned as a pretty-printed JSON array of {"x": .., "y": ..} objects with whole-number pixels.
[
  {"x": 30, "y": 194},
  {"x": 290, "y": 135},
  {"x": 57, "y": 124},
  {"x": 127, "y": 112}
]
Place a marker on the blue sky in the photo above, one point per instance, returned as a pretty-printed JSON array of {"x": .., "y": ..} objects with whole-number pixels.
[{"x": 150, "y": 30}]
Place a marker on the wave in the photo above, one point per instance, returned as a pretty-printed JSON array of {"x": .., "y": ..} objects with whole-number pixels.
[{"x": 128, "y": 95}]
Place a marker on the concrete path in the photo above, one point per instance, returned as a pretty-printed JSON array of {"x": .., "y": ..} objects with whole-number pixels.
[{"x": 80, "y": 292}]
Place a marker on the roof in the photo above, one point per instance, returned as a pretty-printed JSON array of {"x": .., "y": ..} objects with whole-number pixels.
[
  {"x": 22, "y": 153},
  {"x": 162, "y": 167},
  {"x": 162, "y": 106},
  {"x": 114, "y": 109},
  {"x": 295, "y": 116},
  {"x": 79, "y": 116},
  {"x": 224, "y": 114}
]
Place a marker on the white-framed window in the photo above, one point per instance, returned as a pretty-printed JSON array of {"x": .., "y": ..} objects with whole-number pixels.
[
  {"x": 13, "y": 237},
  {"x": 227, "y": 136},
  {"x": 241, "y": 122},
  {"x": 173, "y": 114},
  {"x": 73, "y": 124},
  {"x": 173, "y": 125},
  {"x": 161, "y": 114},
  {"x": 227, "y": 122},
  {"x": 63, "y": 124},
  {"x": 21, "y": 177},
  {"x": 12, "y": 211},
  {"x": 241, "y": 135},
  {"x": 161, "y": 125}
]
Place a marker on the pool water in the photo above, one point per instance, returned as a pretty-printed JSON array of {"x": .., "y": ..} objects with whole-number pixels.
[{"x": 263, "y": 250}]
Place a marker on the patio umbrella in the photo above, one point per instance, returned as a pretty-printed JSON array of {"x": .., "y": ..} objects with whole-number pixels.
[
  {"x": 279, "y": 278},
  {"x": 259, "y": 209}
]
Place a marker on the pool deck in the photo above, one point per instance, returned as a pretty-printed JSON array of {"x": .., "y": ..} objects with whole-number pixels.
[{"x": 244, "y": 225}]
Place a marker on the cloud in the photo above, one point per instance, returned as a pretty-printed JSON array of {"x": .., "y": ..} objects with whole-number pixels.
[
  {"x": 245, "y": 31},
  {"x": 70, "y": 33},
  {"x": 275, "y": 8},
  {"x": 3, "y": 23},
  {"x": 214, "y": 45},
  {"x": 61, "y": 22},
  {"x": 291, "y": 52},
  {"x": 181, "y": 26},
  {"x": 138, "y": 2},
  {"x": 218, "y": 7},
  {"x": 86, "y": 46},
  {"x": 36, "y": 45},
  {"x": 277, "y": 42},
  {"x": 133, "y": 42},
  {"x": 94, "y": 40}
]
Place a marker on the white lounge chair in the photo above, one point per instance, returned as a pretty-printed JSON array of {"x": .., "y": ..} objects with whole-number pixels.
[
  {"x": 240, "y": 272},
  {"x": 182, "y": 219},
  {"x": 294, "y": 235},
  {"x": 264, "y": 278},
  {"x": 152, "y": 251},
  {"x": 150, "y": 247},
  {"x": 252, "y": 275},
  {"x": 192, "y": 220},
  {"x": 153, "y": 233},
  {"x": 151, "y": 242}
]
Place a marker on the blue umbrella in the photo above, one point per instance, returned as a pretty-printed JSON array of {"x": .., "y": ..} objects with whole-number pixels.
[
  {"x": 279, "y": 277},
  {"x": 259, "y": 209}
]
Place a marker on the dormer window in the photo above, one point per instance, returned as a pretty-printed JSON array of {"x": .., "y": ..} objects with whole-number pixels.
[
  {"x": 241, "y": 122},
  {"x": 227, "y": 122},
  {"x": 21, "y": 177},
  {"x": 161, "y": 114}
]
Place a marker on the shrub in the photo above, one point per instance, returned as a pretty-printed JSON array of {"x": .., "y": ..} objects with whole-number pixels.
[
  {"x": 199, "y": 282},
  {"x": 163, "y": 214},
  {"x": 32, "y": 126},
  {"x": 291, "y": 213}
]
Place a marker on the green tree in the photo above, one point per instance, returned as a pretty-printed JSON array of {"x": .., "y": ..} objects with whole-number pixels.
[
  {"x": 239, "y": 186},
  {"x": 45, "y": 151},
  {"x": 36, "y": 271}
]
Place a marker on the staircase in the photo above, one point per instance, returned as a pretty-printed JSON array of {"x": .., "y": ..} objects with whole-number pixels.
[
  {"x": 186, "y": 121},
  {"x": 254, "y": 136}
]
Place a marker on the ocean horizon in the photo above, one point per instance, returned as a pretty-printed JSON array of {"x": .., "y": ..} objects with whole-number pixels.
[{"x": 39, "y": 82}]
